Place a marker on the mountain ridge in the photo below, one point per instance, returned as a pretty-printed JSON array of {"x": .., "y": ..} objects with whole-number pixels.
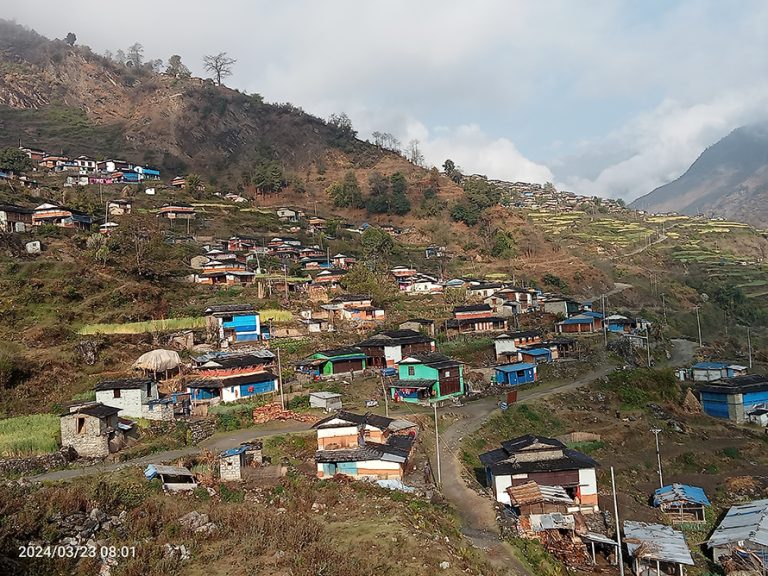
[{"x": 729, "y": 179}]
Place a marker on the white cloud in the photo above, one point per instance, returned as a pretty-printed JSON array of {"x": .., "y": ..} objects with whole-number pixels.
[
  {"x": 477, "y": 153},
  {"x": 659, "y": 146}
]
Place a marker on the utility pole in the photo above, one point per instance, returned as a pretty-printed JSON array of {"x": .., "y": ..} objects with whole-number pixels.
[
  {"x": 749, "y": 346},
  {"x": 656, "y": 432},
  {"x": 605, "y": 326},
  {"x": 280, "y": 379},
  {"x": 386, "y": 399},
  {"x": 648, "y": 345},
  {"x": 619, "y": 553},
  {"x": 664, "y": 307},
  {"x": 437, "y": 447},
  {"x": 698, "y": 323}
]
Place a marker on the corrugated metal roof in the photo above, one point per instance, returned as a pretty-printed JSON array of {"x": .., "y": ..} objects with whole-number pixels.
[
  {"x": 553, "y": 521},
  {"x": 656, "y": 542},
  {"x": 748, "y": 522},
  {"x": 234, "y": 451},
  {"x": 709, "y": 365},
  {"x": 515, "y": 367},
  {"x": 680, "y": 492}
]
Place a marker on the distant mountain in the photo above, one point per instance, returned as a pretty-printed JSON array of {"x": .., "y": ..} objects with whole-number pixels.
[{"x": 729, "y": 179}]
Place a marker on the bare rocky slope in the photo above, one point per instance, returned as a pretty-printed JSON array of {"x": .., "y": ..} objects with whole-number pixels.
[{"x": 729, "y": 180}]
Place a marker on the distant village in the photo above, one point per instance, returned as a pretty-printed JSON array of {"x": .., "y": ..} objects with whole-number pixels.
[{"x": 549, "y": 490}]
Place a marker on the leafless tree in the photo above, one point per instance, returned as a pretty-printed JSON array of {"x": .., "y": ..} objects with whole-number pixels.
[
  {"x": 135, "y": 55},
  {"x": 220, "y": 65},
  {"x": 413, "y": 153}
]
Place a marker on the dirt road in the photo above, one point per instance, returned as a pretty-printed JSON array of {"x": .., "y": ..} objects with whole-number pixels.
[
  {"x": 478, "y": 517},
  {"x": 216, "y": 443},
  {"x": 477, "y": 514}
]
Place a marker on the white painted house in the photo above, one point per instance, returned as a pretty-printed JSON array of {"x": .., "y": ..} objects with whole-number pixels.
[
  {"x": 546, "y": 461},
  {"x": 135, "y": 398}
]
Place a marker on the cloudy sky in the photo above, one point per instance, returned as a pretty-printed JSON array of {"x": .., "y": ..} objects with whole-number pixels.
[{"x": 602, "y": 97}]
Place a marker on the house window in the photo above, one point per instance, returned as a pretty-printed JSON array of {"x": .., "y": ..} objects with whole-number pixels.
[
  {"x": 80, "y": 424},
  {"x": 447, "y": 373},
  {"x": 411, "y": 371},
  {"x": 116, "y": 393},
  {"x": 149, "y": 389}
]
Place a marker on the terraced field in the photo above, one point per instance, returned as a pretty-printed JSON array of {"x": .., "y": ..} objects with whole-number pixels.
[{"x": 605, "y": 232}]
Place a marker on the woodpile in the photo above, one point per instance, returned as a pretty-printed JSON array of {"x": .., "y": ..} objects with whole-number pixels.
[{"x": 273, "y": 412}]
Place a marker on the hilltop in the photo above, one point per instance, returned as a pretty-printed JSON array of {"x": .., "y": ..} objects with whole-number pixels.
[
  {"x": 67, "y": 99},
  {"x": 728, "y": 180}
]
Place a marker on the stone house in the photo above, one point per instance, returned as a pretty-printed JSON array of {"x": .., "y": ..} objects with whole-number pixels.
[{"x": 94, "y": 430}]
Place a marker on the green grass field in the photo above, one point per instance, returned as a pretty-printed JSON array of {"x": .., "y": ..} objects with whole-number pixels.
[
  {"x": 29, "y": 435},
  {"x": 172, "y": 324}
]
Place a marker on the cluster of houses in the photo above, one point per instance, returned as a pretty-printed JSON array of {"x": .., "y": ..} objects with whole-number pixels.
[
  {"x": 84, "y": 170},
  {"x": 237, "y": 261},
  {"x": 551, "y": 491},
  {"x": 537, "y": 197}
]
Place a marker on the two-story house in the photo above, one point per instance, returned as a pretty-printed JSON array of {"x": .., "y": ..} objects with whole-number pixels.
[
  {"x": 427, "y": 378},
  {"x": 363, "y": 446},
  {"x": 546, "y": 461}
]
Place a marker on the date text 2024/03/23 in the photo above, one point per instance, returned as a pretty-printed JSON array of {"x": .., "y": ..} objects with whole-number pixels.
[{"x": 77, "y": 551}]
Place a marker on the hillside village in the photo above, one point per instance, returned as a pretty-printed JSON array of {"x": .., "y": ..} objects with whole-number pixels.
[
  {"x": 358, "y": 359},
  {"x": 364, "y": 366}
]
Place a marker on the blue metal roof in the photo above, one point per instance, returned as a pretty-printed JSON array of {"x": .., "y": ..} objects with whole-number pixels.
[
  {"x": 710, "y": 365},
  {"x": 515, "y": 367},
  {"x": 537, "y": 352},
  {"x": 234, "y": 451},
  {"x": 592, "y": 314},
  {"x": 578, "y": 320},
  {"x": 677, "y": 492}
]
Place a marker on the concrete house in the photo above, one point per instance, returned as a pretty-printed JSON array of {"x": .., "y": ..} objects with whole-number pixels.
[
  {"x": 94, "y": 430},
  {"x": 546, "y": 461},
  {"x": 508, "y": 344},
  {"x": 385, "y": 349},
  {"x": 135, "y": 398},
  {"x": 363, "y": 446},
  {"x": 118, "y": 207},
  {"x": 734, "y": 398},
  {"x": 231, "y": 324},
  {"x": 211, "y": 390},
  {"x": 427, "y": 378}
]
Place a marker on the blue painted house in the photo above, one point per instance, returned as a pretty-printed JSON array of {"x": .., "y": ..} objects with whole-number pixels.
[
  {"x": 235, "y": 323},
  {"x": 233, "y": 388},
  {"x": 733, "y": 398},
  {"x": 516, "y": 374}
]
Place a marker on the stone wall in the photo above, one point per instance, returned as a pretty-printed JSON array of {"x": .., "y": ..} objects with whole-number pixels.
[
  {"x": 201, "y": 429},
  {"x": 41, "y": 463}
]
